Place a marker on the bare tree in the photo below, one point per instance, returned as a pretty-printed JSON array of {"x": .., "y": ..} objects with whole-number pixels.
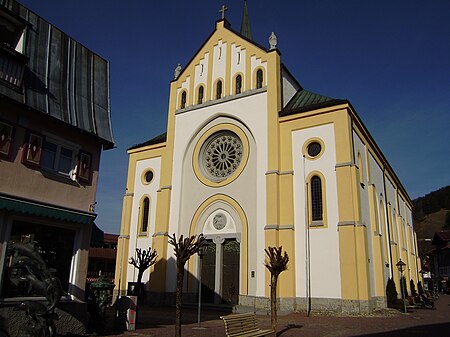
[
  {"x": 276, "y": 263},
  {"x": 145, "y": 259},
  {"x": 184, "y": 248}
]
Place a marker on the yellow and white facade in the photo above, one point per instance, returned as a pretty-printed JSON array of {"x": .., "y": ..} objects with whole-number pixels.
[{"x": 251, "y": 159}]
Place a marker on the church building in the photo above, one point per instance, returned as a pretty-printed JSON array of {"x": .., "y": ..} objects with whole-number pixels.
[{"x": 252, "y": 159}]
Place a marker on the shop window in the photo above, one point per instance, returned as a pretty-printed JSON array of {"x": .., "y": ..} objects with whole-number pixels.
[{"x": 55, "y": 247}]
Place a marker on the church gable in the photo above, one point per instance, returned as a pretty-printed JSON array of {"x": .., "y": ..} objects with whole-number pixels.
[{"x": 227, "y": 64}]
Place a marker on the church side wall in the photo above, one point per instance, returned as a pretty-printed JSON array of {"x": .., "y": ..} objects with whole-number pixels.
[
  {"x": 379, "y": 227},
  {"x": 369, "y": 216}
]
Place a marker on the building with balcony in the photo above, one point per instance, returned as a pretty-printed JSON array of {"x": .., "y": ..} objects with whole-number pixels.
[{"x": 54, "y": 123}]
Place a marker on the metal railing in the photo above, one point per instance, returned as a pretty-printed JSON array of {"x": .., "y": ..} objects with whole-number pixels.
[{"x": 12, "y": 66}]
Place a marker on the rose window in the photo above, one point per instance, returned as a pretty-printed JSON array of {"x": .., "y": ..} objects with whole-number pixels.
[{"x": 221, "y": 155}]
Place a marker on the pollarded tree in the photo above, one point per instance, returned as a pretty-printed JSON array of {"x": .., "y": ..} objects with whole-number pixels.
[
  {"x": 276, "y": 263},
  {"x": 184, "y": 248},
  {"x": 144, "y": 260}
]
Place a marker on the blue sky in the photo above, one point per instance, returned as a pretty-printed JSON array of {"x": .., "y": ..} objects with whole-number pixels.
[{"x": 391, "y": 59}]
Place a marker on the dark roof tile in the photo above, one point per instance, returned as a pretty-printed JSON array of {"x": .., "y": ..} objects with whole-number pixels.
[
  {"x": 156, "y": 140},
  {"x": 305, "y": 100}
]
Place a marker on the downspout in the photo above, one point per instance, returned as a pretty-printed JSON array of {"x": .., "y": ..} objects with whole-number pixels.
[{"x": 307, "y": 245}]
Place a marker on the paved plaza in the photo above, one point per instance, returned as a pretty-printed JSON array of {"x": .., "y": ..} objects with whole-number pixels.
[{"x": 158, "y": 322}]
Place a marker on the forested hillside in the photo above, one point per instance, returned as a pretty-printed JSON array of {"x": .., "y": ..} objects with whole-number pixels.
[
  {"x": 431, "y": 215},
  {"x": 432, "y": 202}
]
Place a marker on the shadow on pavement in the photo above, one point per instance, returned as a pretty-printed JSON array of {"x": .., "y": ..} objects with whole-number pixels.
[
  {"x": 151, "y": 317},
  {"x": 289, "y": 327},
  {"x": 435, "y": 330}
]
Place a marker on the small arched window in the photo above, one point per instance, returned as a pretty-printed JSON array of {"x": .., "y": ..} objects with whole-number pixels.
[
  {"x": 238, "y": 84},
  {"x": 316, "y": 199},
  {"x": 259, "y": 78},
  {"x": 219, "y": 90},
  {"x": 183, "y": 100},
  {"x": 200, "y": 95},
  {"x": 145, "y": 214}
]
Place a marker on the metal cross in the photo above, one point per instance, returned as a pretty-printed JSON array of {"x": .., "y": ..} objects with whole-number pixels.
[{"x": 222, "y": 10}]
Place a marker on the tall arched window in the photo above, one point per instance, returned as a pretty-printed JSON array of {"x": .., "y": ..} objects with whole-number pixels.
[
  {"x": 183, "y": 100},
  {"x": 316, "y": 199},
  {"x": 200, "y": 95},
  {"x": 145, "y": 213},
  {"x": 259, "y": 78},
  {"x": 361, "y": 170},
  {"x": 381, "y": 220},
  {"x": 219, "y": 89},
  {"x": 238, "y": 84}
]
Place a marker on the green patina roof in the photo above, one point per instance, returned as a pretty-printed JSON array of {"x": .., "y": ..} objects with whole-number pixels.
[
  {"x": 246, "y": 31},
  {"x": 156, "y": 140},
  {"x": 30, "y": 207},
  {"x": 305, "y": 100}
]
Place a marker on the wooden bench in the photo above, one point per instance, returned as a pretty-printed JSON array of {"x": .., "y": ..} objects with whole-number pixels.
[{"x": 243, "y": 325}]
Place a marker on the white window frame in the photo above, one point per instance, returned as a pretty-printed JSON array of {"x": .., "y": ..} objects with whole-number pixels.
[{"x": 60, "y": 143}]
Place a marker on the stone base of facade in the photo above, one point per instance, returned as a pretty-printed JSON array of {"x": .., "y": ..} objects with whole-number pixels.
[
  {"x": 300, "y": 304},
  {"x": 73, "y": 318},
  {"x": 285, "y": 304}
]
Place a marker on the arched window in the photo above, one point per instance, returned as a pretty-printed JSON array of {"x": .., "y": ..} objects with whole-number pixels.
[
  {"x": 238, "y": 84},
  {"x": 316, "y": 199},
  {"x": 200, "y": 95},
  {"x": 259, "y": 78},
  {"x": 361, "y": 170},
  {"x": 219, "y": 90},
  {"x": 382, "y": 219},
  {"x": 145, "y": 213},
  {"x": 183, "y": 100}
]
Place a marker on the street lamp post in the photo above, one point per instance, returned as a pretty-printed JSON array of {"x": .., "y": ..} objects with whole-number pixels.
[
  {"x": 400, "y": 264},
  {"x": 201, "y": 252}
]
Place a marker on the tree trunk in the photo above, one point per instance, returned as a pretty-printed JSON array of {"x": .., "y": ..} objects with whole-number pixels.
[
  {"x": 140, "y": 274},
  {"x": 178, "y": 300},
  {"x": 273, "y": 301}
]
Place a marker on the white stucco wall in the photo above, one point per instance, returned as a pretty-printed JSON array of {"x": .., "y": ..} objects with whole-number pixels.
[
  {"x": 376, "y": 179},
  {"x": 238, "y": 65},
  {"x": 141, "y": 190},
  {"x": 290, "y": 87},
  {"x": 324, "y": 241},
  {"x": 249, "y": 112},
  {"x": 219, "y": 65},
  {"x": 256, "y": 63},
  {"x": 201, "y": 75}
]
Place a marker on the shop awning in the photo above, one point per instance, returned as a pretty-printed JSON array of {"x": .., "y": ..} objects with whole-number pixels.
[{"x": 23, "y": 206}]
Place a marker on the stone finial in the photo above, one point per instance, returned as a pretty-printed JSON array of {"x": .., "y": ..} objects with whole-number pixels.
[
  {"x": 273, "y": 41},
  {"x": 177, "y": 71}
]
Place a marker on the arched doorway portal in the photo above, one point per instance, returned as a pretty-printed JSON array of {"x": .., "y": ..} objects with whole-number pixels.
[{"x": 223, "y": 262}]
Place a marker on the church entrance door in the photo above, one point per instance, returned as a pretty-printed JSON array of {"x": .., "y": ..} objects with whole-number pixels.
[{"x": 220, "y": 272}]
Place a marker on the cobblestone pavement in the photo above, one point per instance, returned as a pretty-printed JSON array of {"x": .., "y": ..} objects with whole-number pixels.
[{"x": 158, "y": 322}]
